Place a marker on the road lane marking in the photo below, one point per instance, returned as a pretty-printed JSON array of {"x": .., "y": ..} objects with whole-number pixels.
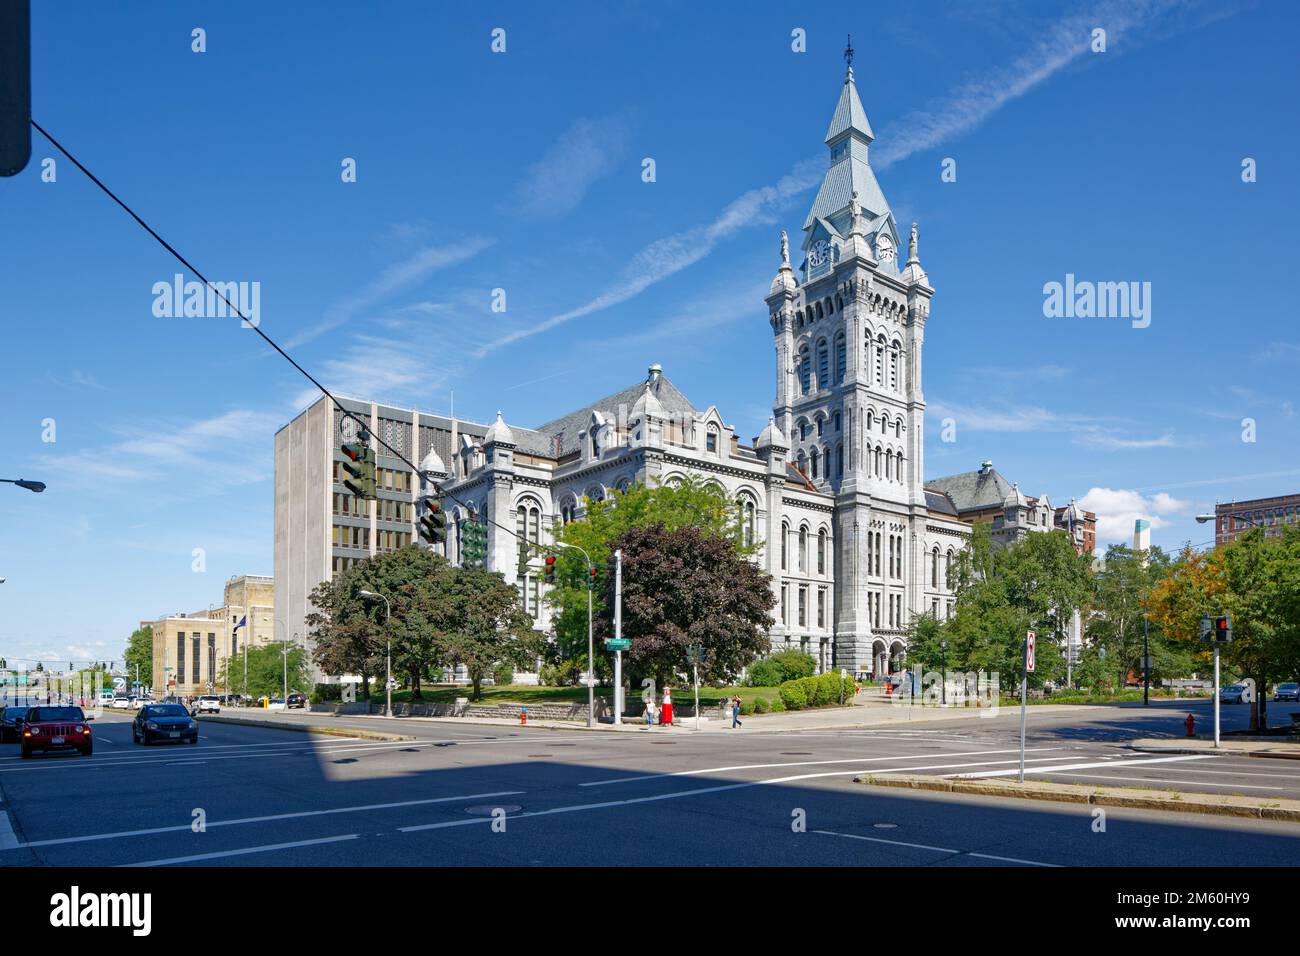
[
  {"x": 244, "y": 851},
  {"x": 93, "y": 837},
  {"x": 938, "y": 849},
  {"x": 1078, "y": 766},
  {"x": 806, "y": 763},
  {"x": 631, "y": 801}
]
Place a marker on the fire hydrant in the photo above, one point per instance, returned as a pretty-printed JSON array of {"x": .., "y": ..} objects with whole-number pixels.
[
  {"x": 1190, "y": 724},
  {"x": 523, "y": 715}
]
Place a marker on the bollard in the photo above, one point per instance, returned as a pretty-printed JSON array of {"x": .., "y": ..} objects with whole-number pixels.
[{"x": 1190, "y": 724}]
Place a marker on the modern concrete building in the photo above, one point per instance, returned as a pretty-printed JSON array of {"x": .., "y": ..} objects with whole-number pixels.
[
  {"x": 190, "y": 650},
  {"x": 1271, "y": 514},
  {"x": 320, "y": 528}
]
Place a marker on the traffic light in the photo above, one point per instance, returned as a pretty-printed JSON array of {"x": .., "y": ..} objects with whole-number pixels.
[
  {"x": 591, "y": 579},
  {"x": 473, "y": 544},
  {"x": 1207, "y": 627},
  {"x": 550, "y": 569},
  {"x": 15, "y": 86},
  {"x": 360, "y": 467},
  {"x": 523, "y": 558},
  {"x": 433, "y": 524},
  {"x": 1222, "y": 630}
]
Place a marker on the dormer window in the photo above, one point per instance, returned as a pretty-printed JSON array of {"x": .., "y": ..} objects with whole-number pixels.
[{"x": 711, "y": 440}]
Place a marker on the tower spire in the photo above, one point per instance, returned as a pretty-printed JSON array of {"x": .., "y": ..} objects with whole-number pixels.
[{"x": 848, "y": 59}]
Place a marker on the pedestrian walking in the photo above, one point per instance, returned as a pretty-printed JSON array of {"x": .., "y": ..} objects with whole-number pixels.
[
  {"x": 649, "y": 714},
  {"x": 735, "y": 712}
]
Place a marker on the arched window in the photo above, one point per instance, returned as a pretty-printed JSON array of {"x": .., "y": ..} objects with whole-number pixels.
[
  {"x": 880, "y": 454},
  {"x": 528, "y": 520},
  {"x": 871, "y": 420},
  {"x": 803, "y": 463},
  {"x": 839, "y": 461},
  {"x": 805, "y": 370},
  {"x": 871, "y": 550},
  {"x": 823, "y": 365},
  {"x": 803, "y": 549},
  {"x": 803, "y": 429},
  {"x": 934, "y": 567},
  {"x": 947, "y": 570},
  {"x": 838, "y": 421},
  {"x": 889, "y": 466},
  {"x": 821, "y": 426},
  {"x": 785, "y": 544},
  {"x": 746, "y": 516},
  {"x": 813, "y": 459},
  {"x": 841, "y": 358},
  {"x": 821, "y": 551},
  {"x": 880, "y": 360},
  {"x": 893, "y": 366}
]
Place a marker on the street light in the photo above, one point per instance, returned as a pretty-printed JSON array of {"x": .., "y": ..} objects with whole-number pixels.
[
  {"x": 36, "y": 486},
  {"x": 388, "y": 636},
  {"x": 591, "y": 649}
]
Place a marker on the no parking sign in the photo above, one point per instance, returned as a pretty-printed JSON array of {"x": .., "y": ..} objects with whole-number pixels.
[{"x": 1029, "y": 652}]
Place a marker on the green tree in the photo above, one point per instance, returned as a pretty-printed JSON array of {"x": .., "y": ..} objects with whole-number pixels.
[
  {"x": 686, "y": 586},
  {"x": 691, "y": 502},
  {"x": 1254, "y": 580},
  {"x": 266, "y": 670},
  {"x": 481, "y": 624},
  {"x": 139, "y": 652}
]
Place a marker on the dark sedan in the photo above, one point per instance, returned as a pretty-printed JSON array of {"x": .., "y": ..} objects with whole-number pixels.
[
  {"x": 11, "y": 724},
  {"x": 164, "y": 722}
]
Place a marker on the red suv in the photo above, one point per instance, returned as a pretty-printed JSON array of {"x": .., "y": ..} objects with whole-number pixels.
[{"x": 56, "y": 728}]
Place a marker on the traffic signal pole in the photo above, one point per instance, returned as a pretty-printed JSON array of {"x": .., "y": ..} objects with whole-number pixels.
[
  {"x": 618, "y": 635},
  {"x": 1216, "y": 696}
]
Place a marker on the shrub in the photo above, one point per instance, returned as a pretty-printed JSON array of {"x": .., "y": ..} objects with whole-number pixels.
[
  {"x": 777, "y": 705},
  {"x": 793, "y": 694},
  {"x": 760, "y": 706},
  {"x": 793, "y": 664},
  {"x": 503, "y": 674},
  {"x": 327, "y": 692},
  {"x": 765, "y": 673}
]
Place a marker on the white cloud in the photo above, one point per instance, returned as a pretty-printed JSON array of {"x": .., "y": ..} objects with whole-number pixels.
[
  {"x": 1118, "y": 508},
  {"x": 672, "y": 254},
  {"x": 395, "y": 277},
  {"x": 1107, "y": 441},
  {"x": 586, "y": 151}
]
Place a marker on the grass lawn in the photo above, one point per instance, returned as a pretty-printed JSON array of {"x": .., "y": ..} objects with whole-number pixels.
[
  {"x": 1127, "y": 696},
  {"x": 531, "y": 694}
]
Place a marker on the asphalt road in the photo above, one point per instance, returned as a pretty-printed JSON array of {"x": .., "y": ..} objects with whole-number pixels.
[{"x": 274, "y": 797}]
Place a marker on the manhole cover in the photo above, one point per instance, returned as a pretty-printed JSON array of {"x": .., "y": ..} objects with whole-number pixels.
[
  {"x": 487, "y": 809},
  {"x": 885, "y": 826},
  {"x": 796, "y": 753}
]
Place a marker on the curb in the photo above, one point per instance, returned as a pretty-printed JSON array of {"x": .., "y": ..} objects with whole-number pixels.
[
  {"x": 1284, "y": 810},
  {"x": 307, "y": 728}
]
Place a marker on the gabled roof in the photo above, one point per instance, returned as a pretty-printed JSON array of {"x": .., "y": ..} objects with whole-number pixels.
[
  {"x": 561, "y": 434},
  {"x": 837, "y": 188},
  {"x": 972, "y": 490}
]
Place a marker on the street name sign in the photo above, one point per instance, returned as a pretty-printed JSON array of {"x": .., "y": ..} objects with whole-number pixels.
[{"x": 618, "y": 643}]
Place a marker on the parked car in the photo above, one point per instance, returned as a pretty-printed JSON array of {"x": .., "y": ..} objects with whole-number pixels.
[
  {"x": 164, "y": 722},
  {"x": 208, "y": 704},
  {"x": 11, "y": 724},
  {"x": 1237, "y": 694},
  {"x": 138, "y": 702},
  {"x": 296, "y": 701},
  {"x": 275, "y": 703},
  {"x": 122, "y": 703},
  {"x": 1288, "y": 691},
  {"x": 57, "y": 728}
]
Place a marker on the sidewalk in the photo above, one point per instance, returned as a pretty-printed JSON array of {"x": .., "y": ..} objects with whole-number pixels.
[
  {"x": 855, "y": 717},
  {"x": 1250, "y": 746}
]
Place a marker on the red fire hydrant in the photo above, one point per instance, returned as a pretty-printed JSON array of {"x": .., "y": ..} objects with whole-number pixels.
[
  {"x": 1190, "y": 724},
  {"x": 523, "y": 715}
]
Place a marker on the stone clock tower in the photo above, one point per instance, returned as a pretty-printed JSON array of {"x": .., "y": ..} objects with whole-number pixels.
[{"x": 849, "y": 329}]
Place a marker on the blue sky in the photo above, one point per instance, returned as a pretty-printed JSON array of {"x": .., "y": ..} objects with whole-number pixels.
[{"x": 522, "y": 171}]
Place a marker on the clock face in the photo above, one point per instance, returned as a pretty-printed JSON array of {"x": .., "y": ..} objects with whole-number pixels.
[{"x": 819, "y": 253}]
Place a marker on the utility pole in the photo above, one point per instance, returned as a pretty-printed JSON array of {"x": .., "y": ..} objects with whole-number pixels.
[
  {"x": 1146, "y": 664},
  {"x": 618, "y": 635}
]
